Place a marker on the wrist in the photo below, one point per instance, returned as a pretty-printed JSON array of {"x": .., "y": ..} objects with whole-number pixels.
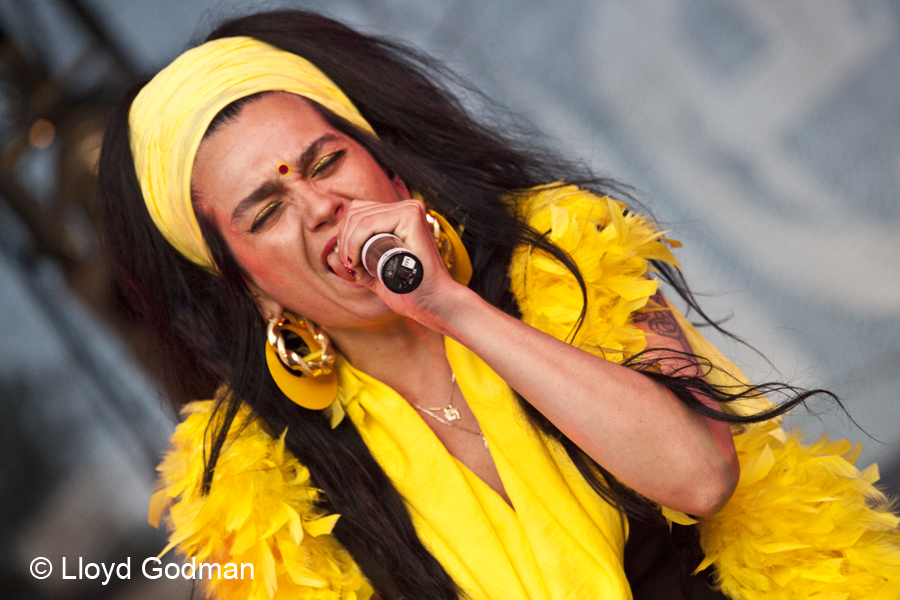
[{"x": 457, "y": 308}]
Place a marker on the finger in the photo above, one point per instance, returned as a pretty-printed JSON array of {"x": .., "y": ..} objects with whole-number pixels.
[
  {"x": 352, "y": 233},
  {"x": 403, "y": 219},
  {"x": 340, "y": 269}
]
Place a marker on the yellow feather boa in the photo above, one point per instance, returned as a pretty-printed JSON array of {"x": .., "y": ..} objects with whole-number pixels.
[
  {"x": 611, "y": 248},
  {"x": 803, "y": 523},
  {"x": 260, "y": 510}
]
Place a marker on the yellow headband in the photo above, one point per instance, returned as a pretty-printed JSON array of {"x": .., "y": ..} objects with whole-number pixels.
[{"x": 170, "y": 115}]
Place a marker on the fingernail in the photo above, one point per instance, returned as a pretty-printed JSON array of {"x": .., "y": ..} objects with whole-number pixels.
[
  {"x": 351, "y": 271},
  {"x": 349, "y": 261}
]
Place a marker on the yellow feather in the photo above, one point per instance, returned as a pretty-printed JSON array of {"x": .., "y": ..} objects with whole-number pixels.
[
  {"x": 256, "y": 512},
  {"x": 321, "y": 526}
]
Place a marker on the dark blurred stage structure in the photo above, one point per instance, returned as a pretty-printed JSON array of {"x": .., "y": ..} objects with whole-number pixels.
[
  {"x": 767, "y": 137},
  {"x": 82, "y": 426}
]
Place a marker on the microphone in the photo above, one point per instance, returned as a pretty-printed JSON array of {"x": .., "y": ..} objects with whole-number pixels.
[{"x": 385, "y": 257}]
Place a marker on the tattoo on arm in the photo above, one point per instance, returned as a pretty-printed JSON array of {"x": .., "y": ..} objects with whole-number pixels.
[
  {"x": 662, "y": 322},
  {"x": 641, "y": 317}
]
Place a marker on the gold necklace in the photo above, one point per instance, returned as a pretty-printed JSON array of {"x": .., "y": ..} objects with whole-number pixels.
[{"x": 451, "y": 413}]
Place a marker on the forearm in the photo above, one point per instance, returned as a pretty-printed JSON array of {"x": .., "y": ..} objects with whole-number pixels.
[{"x": 632, "y": 426}]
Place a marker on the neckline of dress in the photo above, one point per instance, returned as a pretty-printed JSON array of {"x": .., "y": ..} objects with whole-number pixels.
[{"x": 354, "y": 380}]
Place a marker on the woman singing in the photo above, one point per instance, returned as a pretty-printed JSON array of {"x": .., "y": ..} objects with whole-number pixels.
[{"x": 526, "y": 423}]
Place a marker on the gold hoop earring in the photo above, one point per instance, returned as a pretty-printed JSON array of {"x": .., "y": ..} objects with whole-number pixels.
[
  {"x": 450, "y": 247},
  {"x": 302, "y": 365}
]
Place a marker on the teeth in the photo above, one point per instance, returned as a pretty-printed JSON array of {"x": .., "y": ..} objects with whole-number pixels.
[{"x": 335, "y": 249}]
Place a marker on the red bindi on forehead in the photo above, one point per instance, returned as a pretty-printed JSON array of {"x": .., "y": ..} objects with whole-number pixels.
[{"x": 283, "y": 169}]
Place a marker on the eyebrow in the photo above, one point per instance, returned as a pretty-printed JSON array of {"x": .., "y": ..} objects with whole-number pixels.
[{"x": 270, "y": 187}]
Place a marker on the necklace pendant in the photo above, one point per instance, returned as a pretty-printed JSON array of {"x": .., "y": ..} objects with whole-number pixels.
[{"x": 450, "y": 413}]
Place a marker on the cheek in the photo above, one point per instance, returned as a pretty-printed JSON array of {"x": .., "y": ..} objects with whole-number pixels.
[
  {"x": 260, "y": 267},
  {"x": 275, "y": 271},
  {"x": 259, "y": 271}
]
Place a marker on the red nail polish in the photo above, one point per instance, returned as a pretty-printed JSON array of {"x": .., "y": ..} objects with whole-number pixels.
[
  {"x": 351, "y": 271},
  {"x": 349, "y": 261}
]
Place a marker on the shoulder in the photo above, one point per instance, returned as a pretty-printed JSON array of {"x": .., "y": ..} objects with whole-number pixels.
[
  {"x": 261, "y": 509},
  {"x": 612, "y": 247},
  {"x": 564, "y": 211}
]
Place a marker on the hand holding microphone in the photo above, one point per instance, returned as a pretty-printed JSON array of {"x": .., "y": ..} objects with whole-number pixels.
[{"x": 386, "y": 258}]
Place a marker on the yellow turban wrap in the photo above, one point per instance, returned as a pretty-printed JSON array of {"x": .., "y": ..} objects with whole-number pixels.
[{"x": 171, "y": 114}]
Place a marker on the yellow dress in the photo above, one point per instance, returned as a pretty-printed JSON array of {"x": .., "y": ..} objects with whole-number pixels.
[
  {"x": 802, "y": 524},
  {"x": 559, "y": 542}
]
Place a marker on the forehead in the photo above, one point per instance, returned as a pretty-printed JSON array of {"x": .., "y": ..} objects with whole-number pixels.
[
  {"x": 244, "y": 150},
  {"x": 276, "y": 107}
]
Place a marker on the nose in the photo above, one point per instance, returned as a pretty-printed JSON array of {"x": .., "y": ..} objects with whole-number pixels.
[{"x": 321, "y": 210}]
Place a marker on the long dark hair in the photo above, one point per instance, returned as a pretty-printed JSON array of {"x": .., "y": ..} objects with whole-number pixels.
[{"x": 211, "y": 332}]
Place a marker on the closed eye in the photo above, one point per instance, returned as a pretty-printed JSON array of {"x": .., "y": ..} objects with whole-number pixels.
[
  {"x": 327, "y": 163},
  {"x": 263, "y": 216}
]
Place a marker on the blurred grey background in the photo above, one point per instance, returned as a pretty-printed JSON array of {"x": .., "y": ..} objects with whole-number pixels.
[{"x": 766, "y": 135}]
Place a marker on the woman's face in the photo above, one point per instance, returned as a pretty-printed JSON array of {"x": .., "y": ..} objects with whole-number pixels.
[{"x": 281, "y": 227}]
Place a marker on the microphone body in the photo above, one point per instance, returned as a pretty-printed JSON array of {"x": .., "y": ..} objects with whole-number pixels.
[{"x": 385, "y": 257}]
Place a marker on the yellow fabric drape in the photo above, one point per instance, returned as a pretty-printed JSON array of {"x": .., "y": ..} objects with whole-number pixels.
[{"x": 560, "y": 542}]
